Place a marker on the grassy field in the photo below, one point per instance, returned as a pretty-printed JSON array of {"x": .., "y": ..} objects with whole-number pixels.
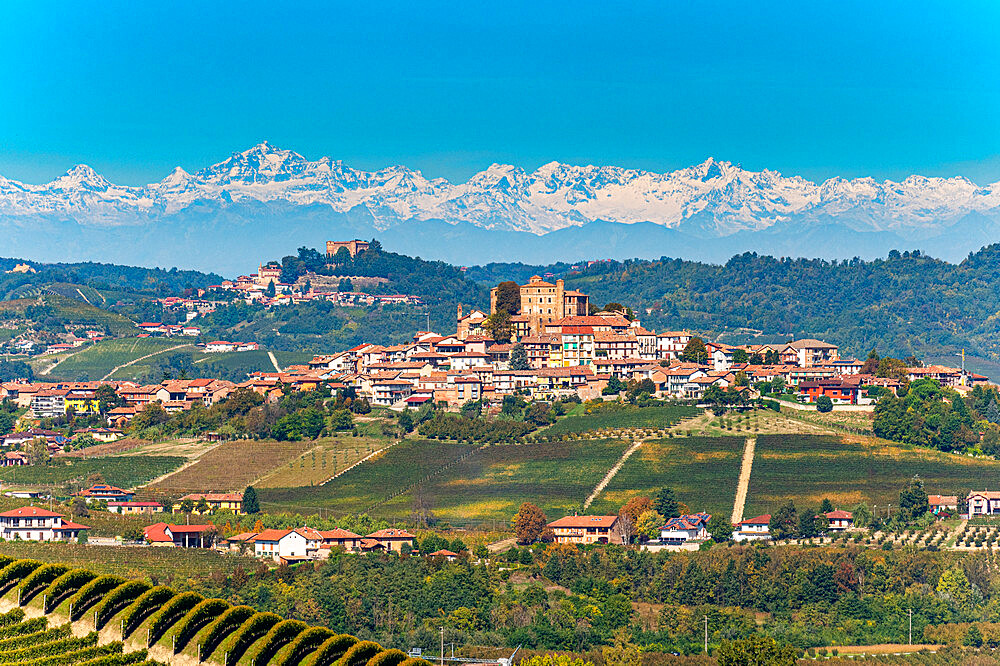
[
  {"x": 492, "y": 483},
  {"x": 163, "y": 565},
  {"x": 703, "y": 472},
  {"x": 99, "y": 359},
  {"x": 230, "y": 466},
  {"x": 404, "y": 464},
  {"x": 852, "y": 469},
  {"x": 320, "y": 462},
  {"x": 627, "y": 417},
  {"x": 126, "y": 472}
]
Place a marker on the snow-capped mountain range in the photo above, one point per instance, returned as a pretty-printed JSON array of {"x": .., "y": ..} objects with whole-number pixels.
[{"x": 711, "y": 199}]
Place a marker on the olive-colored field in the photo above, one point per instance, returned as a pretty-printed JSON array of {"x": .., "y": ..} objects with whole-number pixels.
[{"x": 320, "y": 462}]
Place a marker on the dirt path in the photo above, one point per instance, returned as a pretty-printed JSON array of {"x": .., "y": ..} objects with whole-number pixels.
[
  {"x": 53, "y": 366},
  {"x": 744, "y": 483},
  {"x": 611, "y": 474},
  {"x": 274, "y": 361},
  {"x": 142, "y": 358}
]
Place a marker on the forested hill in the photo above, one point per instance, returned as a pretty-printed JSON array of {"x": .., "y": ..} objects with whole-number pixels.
[
  {"x": 907, "y": 303},
  {"x": 154, "y": 281}
]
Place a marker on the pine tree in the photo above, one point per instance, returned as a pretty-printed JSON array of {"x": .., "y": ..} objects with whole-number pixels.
[
  {"x": 518, "y": 358},
  {"x": 251, "y": 504}
]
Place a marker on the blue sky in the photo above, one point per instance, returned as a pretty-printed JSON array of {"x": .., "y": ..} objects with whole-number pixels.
[{"x": 816, "y": 89}]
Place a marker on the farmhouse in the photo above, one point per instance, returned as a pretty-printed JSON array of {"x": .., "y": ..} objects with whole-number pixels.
[
  {"x": 839, "y": 520},
  {"x": 286, "y": 545},
  {"x": 135, "y": 508},
  {"x": 983, "y": 503},
  {"x": 942, "y": 503},
  {"x": 678, "y": 531},
  {"x": 215, "y": 501},
  {"x": 753, "y": 529},
  {"x": 180, "y": 536},
  {"x": 587, "y": 529},
  {"x": 392, "y": 539},
  {"x": 103, "y": 491},
  {"x": 30, "y": 523}
]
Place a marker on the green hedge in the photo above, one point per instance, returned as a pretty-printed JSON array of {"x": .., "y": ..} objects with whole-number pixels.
[
  {"x": 248, "y": 633},
  {"x": 65, "y": 585},
  {"x": 279, "y": 636},
  {"x": 15, "y": 572},
  {"x": 50, "y": 649},
  {"x": 388, "y": 658},
  {"x": 117, "y": 599},
  {"x": 29, "y": 638},
  {"x": 196, "y": 618},
  {"x": 360, "y": 653},
  {"x": 331, "y": 650},
  {"x": 91, "y": 593},
  {"x": 148, "y": 603},
  {"x": 223, "y": 626},
  {"x": 38, "y": 580},
  {"x": 171, "y": 611},
  {"x": 304, "y": 643}
]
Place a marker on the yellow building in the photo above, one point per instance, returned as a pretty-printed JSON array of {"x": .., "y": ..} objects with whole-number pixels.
[
  {"x": 543, "y": 303},
  {"x": 216, "y": 502}
]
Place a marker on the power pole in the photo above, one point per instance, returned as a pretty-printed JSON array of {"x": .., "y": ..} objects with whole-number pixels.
[
  {"x": 910, "y": 640},
  {"x": 442, "y": 645},
  {"x": 706, "y": 633}
]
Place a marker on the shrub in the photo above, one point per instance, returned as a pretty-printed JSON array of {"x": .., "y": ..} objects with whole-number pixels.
[
  {"x": 280, "y": 635},
  {"x": 14, "y": 572},
  {"x": 147, "y": 604},
  {"x": 65, "y": 585},
  {"x": 388, "y": 658},
  {"x": 360, "y": 653},
  {"x": 196, "y": 618},
  {"x": 51, "y": 649},
  {"x": 252, "y": 629},
  {"x": 304, "y": 643},
  {"x": 28, "y": 639},
  {"x": 12, "y": 617},
  {"x": 223, "y": 626},
  {"x": 38, "y": 580},
  {"x": 117, "y": 599},
  {"x": 331, "y": 650},
  {"x": 26, "y": 627},
  {"x": 89, "y": 594},
  {"x": 171, "y": 611}
]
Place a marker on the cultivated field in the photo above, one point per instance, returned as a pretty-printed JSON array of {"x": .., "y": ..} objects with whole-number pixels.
[
  {"x": 126, "y": 472},
  {"x": 397, "y": 469},
  {"x": 850, "y": 469},
  {"x": 492, "y": 483},
  {"x": 230, "y": 466},
  {"x": 100, "y": 358},
  {"x": 326, "y": 458},
  {"x": 143, "y": 562},
  {"x": 703, "y": 472},
  {"x": 627, "y": 417}
]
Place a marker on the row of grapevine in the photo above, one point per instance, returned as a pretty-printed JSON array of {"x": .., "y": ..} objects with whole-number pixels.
[{"x": 227, "y": 633}]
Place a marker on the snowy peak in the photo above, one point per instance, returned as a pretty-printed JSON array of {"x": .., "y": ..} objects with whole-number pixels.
[{"x": 715, "y": 195}]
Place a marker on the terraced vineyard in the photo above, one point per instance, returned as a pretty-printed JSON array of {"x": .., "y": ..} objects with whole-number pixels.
[
  {"x": 105, "y": 620},
  {"x": 100, "y": 358}
]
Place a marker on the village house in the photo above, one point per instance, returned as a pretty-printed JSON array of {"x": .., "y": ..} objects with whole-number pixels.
[
  {"x": 587, "y": 529},
  {"x": 680, "y": 530},
  {"x": 838, "y": 520},
  {"x": 216, "y": 502},
  {"x": 942, "y": 504},
  {"x": 135, "y": 508},
  {"x": 105, "y": 492},
  {"x": 392, "y": 539},
  {"x": 753, "y": 529},
  {"x": 983, "y": 503},
  {"x": 180, "y": 536},
  {"x": 31, "y": 523},
  {"x": 286, "y": 545}
]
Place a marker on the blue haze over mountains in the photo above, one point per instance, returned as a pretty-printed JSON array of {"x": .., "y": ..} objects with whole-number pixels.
[{"x": 265, "y": 202}]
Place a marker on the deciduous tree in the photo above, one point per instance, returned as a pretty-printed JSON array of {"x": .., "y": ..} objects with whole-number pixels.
[{"x": 529, "y": 523}]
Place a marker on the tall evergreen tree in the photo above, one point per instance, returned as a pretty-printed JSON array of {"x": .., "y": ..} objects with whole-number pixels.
[{"x": 251, "y": 504}]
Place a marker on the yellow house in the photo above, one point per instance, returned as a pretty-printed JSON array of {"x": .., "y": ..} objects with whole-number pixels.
[
  {"x": 216, "y": 502},
  {"x": 82, "y": 402}
]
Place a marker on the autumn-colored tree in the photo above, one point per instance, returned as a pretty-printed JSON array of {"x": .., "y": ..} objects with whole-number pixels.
[
  {"x": 635, "y": 507},
  {"x": 695, "y": 351},
  {"x": 529, "y": 523}
]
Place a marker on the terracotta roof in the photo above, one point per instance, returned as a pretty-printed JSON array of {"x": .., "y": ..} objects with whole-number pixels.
[
  {"x": 584, "y": 521},
  {"x": 390, "y": 533},
  {"x": 442, "y": 553},
  {"x": 338, "y": 533},
  {"x": 839, "y": 514},
  {"x": 271, "y": 535},
  {"x": 29, "y": 512},
  {"x": 764, "y": 519}
]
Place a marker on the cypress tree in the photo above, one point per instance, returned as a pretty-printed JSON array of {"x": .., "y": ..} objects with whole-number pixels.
[{"x": 251, "y": 504}]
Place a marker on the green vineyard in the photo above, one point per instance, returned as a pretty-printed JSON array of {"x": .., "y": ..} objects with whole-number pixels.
[{"x": 59, "y": 616}]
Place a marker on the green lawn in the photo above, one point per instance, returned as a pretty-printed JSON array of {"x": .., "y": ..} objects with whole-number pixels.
[
  {"x": 848, "y": 470},
  {"x": 396, "y": 469},
  {"x": 703, "y": 471},
  {"x": 625, "y": 417},
  {"x": 123, "y": 471},
  {"x": 492, "y": 483}
]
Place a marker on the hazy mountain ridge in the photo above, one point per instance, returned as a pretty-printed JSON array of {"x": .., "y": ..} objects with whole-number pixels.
[{"x": 262, "y": 196}]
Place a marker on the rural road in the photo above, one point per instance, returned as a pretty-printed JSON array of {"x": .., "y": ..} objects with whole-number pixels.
[
  {"x": 611, "y": 474},
  {"x": 141, "y": 358},
  {"x": 743, "y": 485},
  {"x": 274, "y": 361}
]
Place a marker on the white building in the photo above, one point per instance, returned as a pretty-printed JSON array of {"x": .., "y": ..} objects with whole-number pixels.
[
  {"x": 286, "y": 544},
  {"x": 753, "y": 529},
  {"x": 678, "y": 531},
  {"x": 30, "y": 523}
]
